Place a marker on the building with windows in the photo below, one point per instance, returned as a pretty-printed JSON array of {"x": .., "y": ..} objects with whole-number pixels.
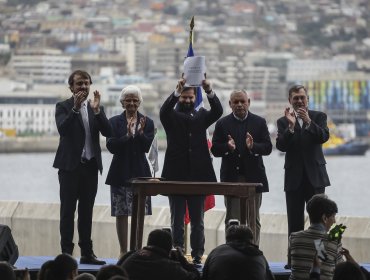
[{"x": 46, "y": 66}]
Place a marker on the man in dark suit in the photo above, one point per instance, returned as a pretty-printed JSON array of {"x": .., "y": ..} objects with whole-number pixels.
[
  {"x": 241, "y": 139},
  {"x": 187, "y": 158},
  {"x": 301, "y": 132},
  {"x": 78, "y": 159}
]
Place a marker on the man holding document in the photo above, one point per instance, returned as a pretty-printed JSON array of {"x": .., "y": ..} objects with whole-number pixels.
[{"x": 187, "y": 156}]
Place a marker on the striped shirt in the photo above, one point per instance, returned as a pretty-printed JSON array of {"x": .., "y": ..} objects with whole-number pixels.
[{"x": 302, "y": 251}]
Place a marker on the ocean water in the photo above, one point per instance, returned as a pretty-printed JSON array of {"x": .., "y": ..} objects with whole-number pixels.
[{"x": 31, "y": 177}]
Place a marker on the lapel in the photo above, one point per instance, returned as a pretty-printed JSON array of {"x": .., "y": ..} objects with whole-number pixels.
[{"x": 123, "y": 122}]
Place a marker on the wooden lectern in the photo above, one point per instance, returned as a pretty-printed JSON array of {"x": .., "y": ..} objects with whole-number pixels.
[{"x": 152, "y": 187}]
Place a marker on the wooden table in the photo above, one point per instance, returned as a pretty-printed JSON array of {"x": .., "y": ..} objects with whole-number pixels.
[{"x": 143, "y": 188}]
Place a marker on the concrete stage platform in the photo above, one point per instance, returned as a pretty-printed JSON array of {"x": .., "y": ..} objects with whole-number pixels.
[{"x": 34, "y": 264}]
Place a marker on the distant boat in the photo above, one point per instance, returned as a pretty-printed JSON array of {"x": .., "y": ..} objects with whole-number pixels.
[
  {"x": 354, "y": 147},
  {"x": 338, "y": 146}
]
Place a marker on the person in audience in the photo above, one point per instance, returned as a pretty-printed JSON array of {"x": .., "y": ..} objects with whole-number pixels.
[
  {"x": 63, "y": 267},
  {"x": 350, "y": 269},
  {"x": 41, "y": 275},
  {"x": 108, "y": 271},
  {"x": 158, "y": 260},
  {"x": 117, "y": 277},
  {"x": 132, "y": 136},
  {"x": 6, "y": 271},
  {"x": 85, "y": 276},
  {"x": 238, "y": 258},
  {"x": 302, "y": 249}
]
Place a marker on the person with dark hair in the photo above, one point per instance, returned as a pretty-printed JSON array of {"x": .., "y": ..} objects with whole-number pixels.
[
  {"x": 118, "y": 277},
  {"x": 158, "y": 260},
  {"x": 6, "y": 271},
  {"x": 63, "y": 267},
  {"x": 108, "y": 271},
  {"x": 305, "y": 244},
  {"x": 350, "y": 269},
  {"x": 301, "y": 133},
  {"x": 78, "y": 159},
  {"x": 132, "y": 136},
  {"x": 41, "y": 275},
  {"x": 241, "y": 139},
  {"x": 187, "y": 158},
  {"x": 238, "y": 259},
  {"x": 85, "y": 276}
]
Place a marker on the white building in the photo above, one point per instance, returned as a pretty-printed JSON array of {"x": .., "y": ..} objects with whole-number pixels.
[
  {"x": 30, "y": 110},
  {"x": 46, "y": 66},
  {"x": 33, "y": 115}
]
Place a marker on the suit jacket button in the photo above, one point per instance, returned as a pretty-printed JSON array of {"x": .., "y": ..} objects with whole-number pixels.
[
  {"x": 189, "y": 150},
  {"x": 237, "y": 168}
]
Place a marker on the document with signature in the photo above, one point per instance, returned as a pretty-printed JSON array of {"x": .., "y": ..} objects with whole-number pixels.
[{"x": 194, "y": 69}]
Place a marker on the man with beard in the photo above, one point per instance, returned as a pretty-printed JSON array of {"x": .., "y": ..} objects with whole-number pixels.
[
  {"x": 78, "y": 159},
  {"x": 301, "y": 133},
  {"x": 188, "y": 158}
]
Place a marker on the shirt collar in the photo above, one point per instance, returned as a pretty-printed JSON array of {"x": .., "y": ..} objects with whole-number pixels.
[
  {"x": 239, "y": 119},
  {"x": 318, "y": 226}
]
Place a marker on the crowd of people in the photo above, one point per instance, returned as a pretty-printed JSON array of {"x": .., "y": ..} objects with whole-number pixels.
[
  {"x": 238, "y": 258},
  {"x": 241, "y": 139}
]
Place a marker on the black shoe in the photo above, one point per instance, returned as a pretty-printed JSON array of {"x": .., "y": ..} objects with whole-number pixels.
[
  {"x": 91, "y": 259},
  {"x": 287, "y": 266}
]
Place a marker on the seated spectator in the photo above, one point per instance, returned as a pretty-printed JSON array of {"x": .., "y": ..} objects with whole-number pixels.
[
  {"x": 238, "y": 259},
  {"x": 158, "y": 261},
  {"x": 321, "y": 211},
  {"x": 85, "y": 276},
  {"x": 6, "y": 271},
  {"x": 45, "y": 267},
  {"x": 118, "y": 278},
  {"x": 63, "y": 267},
  {"x": 108, "y": 271},
  {"x": 350, "y": 269}
]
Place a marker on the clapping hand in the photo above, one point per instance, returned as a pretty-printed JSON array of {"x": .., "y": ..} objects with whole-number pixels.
[
  {"x": 95, "y": 103},
  {"x": 249, "y": 141},
  {"x": 231, "y": 143},
  {"x": 303, "y": 114},
  {"x": 290, "y": 117},
  {"x": 130, "y": 126},
  {"x": 78, "y": 99},
  {"x": 142, "y": 125}
]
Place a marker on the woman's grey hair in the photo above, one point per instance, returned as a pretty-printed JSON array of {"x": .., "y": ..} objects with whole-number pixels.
[{"x": 131, "y": 89}]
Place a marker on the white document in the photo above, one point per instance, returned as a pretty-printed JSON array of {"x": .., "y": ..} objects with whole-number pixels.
[{"x": 194, "y": 69}]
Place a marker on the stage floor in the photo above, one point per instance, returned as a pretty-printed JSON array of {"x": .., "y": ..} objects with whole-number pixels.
[{"x": 33, "y": 263}]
